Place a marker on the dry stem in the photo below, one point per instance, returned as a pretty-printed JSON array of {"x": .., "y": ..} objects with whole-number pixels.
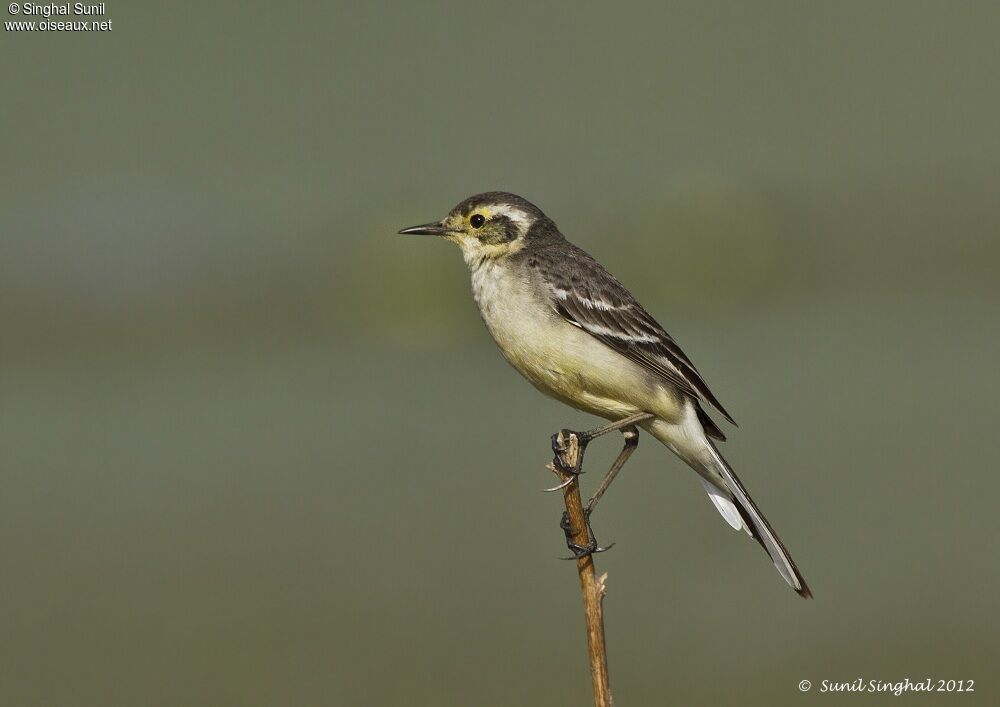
[{"x": 568, "y": 456}]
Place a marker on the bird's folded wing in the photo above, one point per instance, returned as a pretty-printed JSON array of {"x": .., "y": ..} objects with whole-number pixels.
[{"x": 592, "y": 299}]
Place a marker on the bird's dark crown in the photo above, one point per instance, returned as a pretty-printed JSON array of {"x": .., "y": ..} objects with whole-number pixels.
[{"x": 493, "y": 198}]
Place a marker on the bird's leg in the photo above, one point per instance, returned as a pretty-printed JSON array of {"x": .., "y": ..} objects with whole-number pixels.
[
  {"x": 631, "y": 435},
  {"x": 583, "y": 439},
  {"x": 593, "y": 434}
]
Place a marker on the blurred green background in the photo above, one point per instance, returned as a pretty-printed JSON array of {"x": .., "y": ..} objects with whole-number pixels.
[{"x": 256, "y": 449}]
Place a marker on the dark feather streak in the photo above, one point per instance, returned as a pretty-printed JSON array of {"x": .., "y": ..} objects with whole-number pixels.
[{"x": 582, "y": 277}]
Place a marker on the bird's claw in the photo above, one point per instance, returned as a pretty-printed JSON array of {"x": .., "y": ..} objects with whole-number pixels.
[
  {"x": 558, "y": 449},
  {"x": 561, "y": 486},
  {"x": 581, "y": 550},
  {"x": 559, "y": 467},
  {"x": 585, "y": 550}
]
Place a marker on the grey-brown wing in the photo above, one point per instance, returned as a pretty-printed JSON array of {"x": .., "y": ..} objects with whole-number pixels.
[{"x": 589, "y": 297}]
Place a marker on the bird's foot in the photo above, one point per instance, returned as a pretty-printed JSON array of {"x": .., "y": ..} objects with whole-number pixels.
[
  {"x": 577, "y": 549},
  {"x": 559, "y": 446},
  {"x": 571, "y": 473}
]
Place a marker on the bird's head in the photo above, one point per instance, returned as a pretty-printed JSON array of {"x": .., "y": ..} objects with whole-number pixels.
[{"x": 491, "y": 225}]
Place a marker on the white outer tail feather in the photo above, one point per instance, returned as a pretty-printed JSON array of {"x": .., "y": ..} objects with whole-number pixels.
[
  {"x": 687, "y": 440},
  {"x": 782, "y": 562},
  {"x": 725, "y": 506}
]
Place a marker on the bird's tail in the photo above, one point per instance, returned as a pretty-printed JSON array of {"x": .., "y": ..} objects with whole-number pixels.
[
  {"x": 730, "y": 497},
  {"x": 759, "y": 526}
]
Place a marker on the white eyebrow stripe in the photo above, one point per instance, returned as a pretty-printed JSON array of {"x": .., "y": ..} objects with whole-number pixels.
[{"x": 513, "y": 213}]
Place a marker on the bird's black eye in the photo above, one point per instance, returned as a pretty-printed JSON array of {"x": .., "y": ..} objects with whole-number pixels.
[{"x": 477, "y": 220}]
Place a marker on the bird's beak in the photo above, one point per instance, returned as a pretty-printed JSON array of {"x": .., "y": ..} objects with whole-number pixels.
[{"x": 428, "y": 229}]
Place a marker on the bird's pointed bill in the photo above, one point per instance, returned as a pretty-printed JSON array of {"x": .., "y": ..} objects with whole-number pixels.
[{"x": 428, "y": 229}]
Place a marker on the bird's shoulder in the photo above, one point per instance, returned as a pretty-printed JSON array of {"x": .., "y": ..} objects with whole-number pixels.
[
  {"x": 573, "y": 276},
  {"x": 587, "y": 295}
]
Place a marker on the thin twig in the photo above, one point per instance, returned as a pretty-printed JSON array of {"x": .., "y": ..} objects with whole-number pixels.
[{"x": 568, "y": 453}]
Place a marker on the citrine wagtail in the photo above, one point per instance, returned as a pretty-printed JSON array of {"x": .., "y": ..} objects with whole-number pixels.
[{"x": 569, "y": 327}]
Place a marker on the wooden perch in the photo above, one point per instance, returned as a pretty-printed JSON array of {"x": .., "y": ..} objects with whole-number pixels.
[{"x": 568, "y": 451}]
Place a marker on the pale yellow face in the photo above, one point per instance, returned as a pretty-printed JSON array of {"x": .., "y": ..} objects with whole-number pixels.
[{"x": 487, "y": 230}]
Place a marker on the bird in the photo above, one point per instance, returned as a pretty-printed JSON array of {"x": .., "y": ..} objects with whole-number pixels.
[{"x": 578, "y": 335}]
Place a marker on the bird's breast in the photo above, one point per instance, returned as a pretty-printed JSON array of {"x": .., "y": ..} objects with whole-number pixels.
[
  {"x": 560, "y": 359},
  {"x": 518, "y": 317}
]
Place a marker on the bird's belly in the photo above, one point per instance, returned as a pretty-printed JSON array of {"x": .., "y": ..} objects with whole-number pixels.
[{"x": 565, "y": 362}]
